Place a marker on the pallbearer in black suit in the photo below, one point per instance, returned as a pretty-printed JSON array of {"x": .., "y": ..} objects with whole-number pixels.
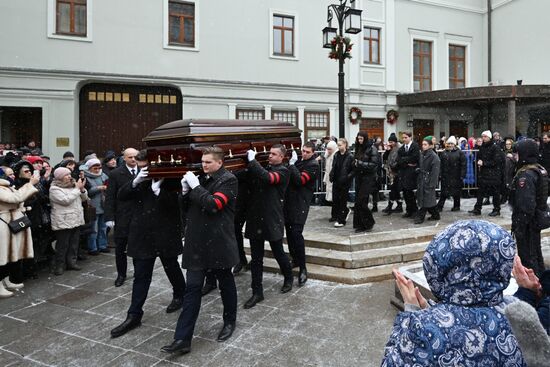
[
  {"x": 303, "y": 175},
  {"x": 265, "y": 220},
  {"x": 210, "y": 245}
]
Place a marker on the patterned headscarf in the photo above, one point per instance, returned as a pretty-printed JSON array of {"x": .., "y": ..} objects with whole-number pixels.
[{"x": 470, "y": 263}]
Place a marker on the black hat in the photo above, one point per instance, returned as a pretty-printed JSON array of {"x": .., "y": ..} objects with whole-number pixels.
[
  {"x": 10, "y": 158},
  {"x": 68, "y": 154},
  {"x": 108, "y": 156},
  {"x": 528, "y": 151},
  {"x": 393, "y": 138},
  {"x": 17, "y": 167}
]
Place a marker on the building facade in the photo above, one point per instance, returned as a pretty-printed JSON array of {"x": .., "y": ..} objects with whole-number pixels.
[{"x": 89, "y": 74}]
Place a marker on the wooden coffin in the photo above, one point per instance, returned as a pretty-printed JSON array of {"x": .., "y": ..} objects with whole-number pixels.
[{"x": 176, "y": 147}]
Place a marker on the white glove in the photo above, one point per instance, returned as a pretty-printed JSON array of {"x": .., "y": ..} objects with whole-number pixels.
[
  {"x": 293, "y": 158},
  {"x": 143, "y": 175},
  {"x": 192, "y": 180},
  {"x": 110, "y": 224},
  {"x": 155, "y": 186},
  {"x": 251, "y": 155},
  {"x": 184, "y": 186}
]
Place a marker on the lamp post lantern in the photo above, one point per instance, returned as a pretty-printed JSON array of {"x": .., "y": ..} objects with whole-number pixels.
[{"x": 349, "y": 21}]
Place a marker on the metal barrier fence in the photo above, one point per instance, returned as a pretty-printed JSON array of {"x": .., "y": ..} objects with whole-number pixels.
[{"x": 469, "y": 183}]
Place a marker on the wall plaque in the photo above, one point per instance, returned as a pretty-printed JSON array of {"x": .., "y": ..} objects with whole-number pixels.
[{"x": 61, "y": 142}]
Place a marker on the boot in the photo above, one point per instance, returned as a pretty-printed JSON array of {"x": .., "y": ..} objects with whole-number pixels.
[
  {"x": 4, "y": 293},
  {"x": 375, "y": 207},
  {"x": 475, "y": 211},
  {"x": 387, "y": 209},
  {"x": 59, "y": 269},
  {"x": 495, "y": 213},
  {"x": 398, "y": 208},
  {"x": 11, "y": 286}
]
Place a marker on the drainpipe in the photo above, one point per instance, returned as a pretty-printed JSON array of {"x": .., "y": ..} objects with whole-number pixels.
[{"x": 489, "y": 41}]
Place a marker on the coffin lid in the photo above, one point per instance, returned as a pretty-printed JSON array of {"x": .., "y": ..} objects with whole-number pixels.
[{"x": 218, "y": 127}]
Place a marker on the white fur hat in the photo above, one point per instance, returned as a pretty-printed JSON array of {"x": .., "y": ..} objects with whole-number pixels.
[
  {"x": 451, "y": 140},
  {"x": 487, "y": 133}
]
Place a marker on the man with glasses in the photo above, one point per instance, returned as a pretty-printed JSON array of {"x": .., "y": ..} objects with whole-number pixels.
[{"x": 303, "y": 175}]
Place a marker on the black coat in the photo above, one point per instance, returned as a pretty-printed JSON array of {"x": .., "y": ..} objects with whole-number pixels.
[
  {"x": 407, "y": 163},
  {"x": 545, "y": 156},
  {"x": 366, "y": 168},
  {"x": 265, "y": 218},
  {"x": 453, "y": 171},
  {"x": 210, "y": 234},
  {"x": 117, "y": 210},
  {"x": 341, "y": 174},
  {"x": 301, "y": 186},
  {"x": 155, "y": 226},
  {"x": 428, "y": 177},
  {"x": 492, "y": 170}
]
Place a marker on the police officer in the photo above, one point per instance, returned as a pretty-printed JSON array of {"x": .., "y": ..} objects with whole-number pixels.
[
  {"x": 265, "y": 221},
  {"x": 303, "y": 175},
  {"x": 529, "y": 194},
  {"x": 210, "y": 245}
]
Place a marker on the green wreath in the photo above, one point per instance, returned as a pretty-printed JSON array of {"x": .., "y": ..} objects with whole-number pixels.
[
  {"x": 358, "y": 114},
  {"x": 340, "y": 47}
]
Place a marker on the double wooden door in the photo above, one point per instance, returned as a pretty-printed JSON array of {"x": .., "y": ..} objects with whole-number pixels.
[{"x": 422, "y": 128}]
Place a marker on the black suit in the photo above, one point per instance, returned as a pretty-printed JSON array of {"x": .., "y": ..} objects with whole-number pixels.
[
  {"x": 407, "y": 163},
  {"x": 119, "y": 211}
]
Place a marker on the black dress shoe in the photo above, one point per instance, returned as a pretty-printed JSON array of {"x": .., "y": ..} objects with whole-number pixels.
[
  {"x": 494, "y": 213},
  {"x": 177, "y": 346},
  {"x": 302, "y": 277},
  {"x": 226, "y": 332},
  {"x": 287, "y": 285},
  {"x": 475, "y": 212},
  {"x": 208, "y": 288},
  {"x": 175, "y": 305},
  {"x": 73, "y": 267},
  {"x": 256, "y": 298},
  {"x": 119, "y": 280},
  {"x": 130, "y": 323}
]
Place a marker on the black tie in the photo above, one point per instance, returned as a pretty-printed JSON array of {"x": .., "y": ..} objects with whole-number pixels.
[
  {"x": 406, "y": 148},
  {"x": 133, "y": 172}
]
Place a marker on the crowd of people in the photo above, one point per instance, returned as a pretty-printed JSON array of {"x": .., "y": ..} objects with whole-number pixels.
[{"x": 76, "y": 205}]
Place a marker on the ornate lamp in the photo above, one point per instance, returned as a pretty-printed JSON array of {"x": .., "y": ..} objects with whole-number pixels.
[
  {"x": 352, "y": 21},
  {"x": 329, "y": 34}
]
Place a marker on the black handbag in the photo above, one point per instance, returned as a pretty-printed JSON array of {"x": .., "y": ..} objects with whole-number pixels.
[{"x": 19, "y": 224}]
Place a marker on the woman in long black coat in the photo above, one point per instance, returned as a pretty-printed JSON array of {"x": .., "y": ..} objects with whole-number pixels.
[
  {"x": 453, "y": 171},
  {"x": 428, "y": 177}
]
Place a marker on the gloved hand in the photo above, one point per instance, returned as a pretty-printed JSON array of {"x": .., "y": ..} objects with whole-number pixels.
[
  {"x": 110, "y": 224},
  {"x": 293, "y": 158},
  {"x": 142, "y": 176},
  {"x": 192, "y": 180},
  {"x": 155, "y": 186},
  {"x": 184, "y": 186},
  {"x": 251, "y": 155}
]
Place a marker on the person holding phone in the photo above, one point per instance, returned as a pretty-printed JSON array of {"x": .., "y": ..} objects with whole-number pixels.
[{"x": 97, "y": 183}]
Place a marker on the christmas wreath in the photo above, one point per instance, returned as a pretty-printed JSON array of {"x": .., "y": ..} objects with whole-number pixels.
[
  {"x": 355, "y": 115},
  {"x": 392, "y": 116},
  {"x": 340, "y": 47}
]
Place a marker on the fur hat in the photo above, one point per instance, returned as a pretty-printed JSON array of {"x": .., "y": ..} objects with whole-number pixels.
[
  {"x": 487, "y": 133},
  {"x": 451, "y": 140},
  {"x": 61, "y": 172}
]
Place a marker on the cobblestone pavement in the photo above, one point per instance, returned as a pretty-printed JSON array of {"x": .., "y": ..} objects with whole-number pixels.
[{"x": 65, "y": 321}]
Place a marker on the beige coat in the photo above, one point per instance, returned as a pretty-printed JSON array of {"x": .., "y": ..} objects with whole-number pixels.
[
  {"x": 67, "y": 210},
  {"x": 14, "y": 247},
  {"x": 326, "y": 178}
]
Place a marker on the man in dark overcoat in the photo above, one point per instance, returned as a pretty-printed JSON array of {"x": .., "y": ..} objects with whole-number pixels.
[
  {"x": 118, "y": 213},
  {"x": 408, "y": 157},
  {"x": 303, "y": 174},
  {"x": 453, "y": 171},
  {"x": 155, "y": 231},
  {"x": 490, "y": 162},
  {"x": 265, "y": 221},
  {"x": 210, "y": 245}
]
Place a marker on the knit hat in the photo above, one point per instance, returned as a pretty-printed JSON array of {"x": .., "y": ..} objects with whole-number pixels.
[
  {"x": 93, "y": 162},
  {"x": 451, "y": 140},
  {"x": 61, "y": 172},
  {"x": 33, "y": 159},
  {"x": 108, "y": 156},
  {"x": 528, "y": 152},
  {"x": 487, "y": 133},
  {"x": 68, "y": 154},
  {"x": 428, "y": 139},
  {"x": 393, "y": 138}
]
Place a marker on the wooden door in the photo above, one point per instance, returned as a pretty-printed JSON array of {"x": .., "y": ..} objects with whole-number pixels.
[
  {"x": 422, "y": 128},
  {"x": 114, "y": 117},
  {"x": 458, "y": 129},
  {"x": 373, "y": 127}
]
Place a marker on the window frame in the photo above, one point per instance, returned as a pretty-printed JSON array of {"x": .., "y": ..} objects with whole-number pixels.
[
  {"x": 307, "y": 129},
  {"x": 262, "y": 111},
  {"x": 52, "y": 19},
  {"x": 453, "y": 79},
  {"x": 295, "y": 35},
  {"x": 466, "y": 41},
  {"x": 370, "y": 41},
  {"x": 282, "y": 28},
  {"x": 72, "y": 21},
  {"x": 423, "y": 56},
  {"x": 167, "y": 44},
  {"x": 294, "y": 113},
  {"x": 182, "y": 18}
]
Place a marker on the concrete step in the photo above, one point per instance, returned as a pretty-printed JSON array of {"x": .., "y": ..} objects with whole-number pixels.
[{"x": 358, "y": 259}]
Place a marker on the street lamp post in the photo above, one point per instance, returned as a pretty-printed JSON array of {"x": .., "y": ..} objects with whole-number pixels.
[{"x": 349, "y": 21}]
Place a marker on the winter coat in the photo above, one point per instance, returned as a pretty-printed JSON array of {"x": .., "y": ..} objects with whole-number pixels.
[
  {"x": 155, "y": 227},
  {"x": 467, "y": 266},
  {"x": 210, "y": 241},
  {"x": 40, "y": 208},
  {"x": 407, "y": 163},
  {"x": 341, "y": 174},
  {"x": 14, "y": 247},
  {"x": 491, "y": 172},
  {"x": 366, "y": 169},
  {"x": 265, "y": 219},
  {"x": 509, "y": 171},
  {"x": 428, "y": 177},
  {"x": 119, "y": 211},
  {"x": 453, "y": 171},
  {"x": 97, "y": 197},
  {"x": 470, "y": 177},
  {"x": 390, "y": 158},
  {"x": 545, "y": 156},
  {"x": 299, "y": 193},
  {"x": 326, "y": 177},
  {"x": 67, "y": 210}
]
